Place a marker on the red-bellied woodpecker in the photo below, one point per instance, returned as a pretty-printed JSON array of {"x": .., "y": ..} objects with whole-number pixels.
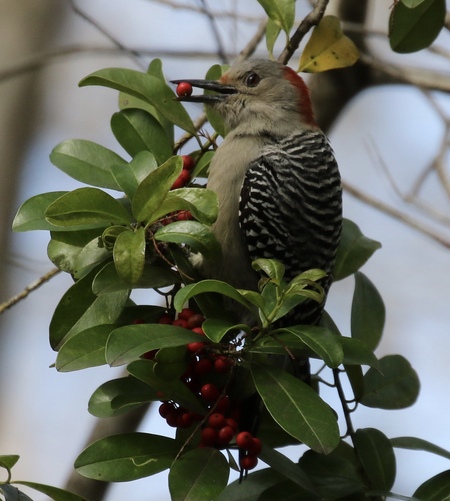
[{"x": 275, "y": 176}]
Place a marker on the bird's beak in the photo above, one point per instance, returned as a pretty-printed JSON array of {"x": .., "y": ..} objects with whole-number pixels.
[{"x": 210, "y": 85}]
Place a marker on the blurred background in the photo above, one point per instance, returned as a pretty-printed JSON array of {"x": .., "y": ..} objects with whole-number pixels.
[{"x": 390, "y": 134}]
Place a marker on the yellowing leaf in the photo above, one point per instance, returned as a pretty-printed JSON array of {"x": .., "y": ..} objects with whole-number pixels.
[{"x": 328, "y": 48}]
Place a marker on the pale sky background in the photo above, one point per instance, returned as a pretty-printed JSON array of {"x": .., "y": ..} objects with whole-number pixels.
[{"x": 44, "y": 414}]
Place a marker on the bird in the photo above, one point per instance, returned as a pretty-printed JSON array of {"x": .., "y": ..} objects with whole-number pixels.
[{"x": 275, "y": 176}]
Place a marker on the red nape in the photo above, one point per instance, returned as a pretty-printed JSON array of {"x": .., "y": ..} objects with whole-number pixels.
[{"x": 305, "y": 104}]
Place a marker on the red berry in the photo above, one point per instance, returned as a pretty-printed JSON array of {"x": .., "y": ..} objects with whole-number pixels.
[
  {"x": 217, "y": 420},
  {"x": 188, "y": 162},
  {"x": 165, "y": 408},
  {"x": 244, "y": 440},
  {"x": 184, "y": 89},
  {"x": 184, "y": 215},
  {"x": 223, "y": 404},
  {"x": 255, "y": 447},
  {"x": 196, "y": 416},
  {"x": 182, "y": 179},
  {"x": 209, "y": 392},
  {"x": 184, "y": 420},
  {"x": 186, "y": 313},
  {"x": 198, "y": 330},
  {"x": 172, "y": 418},
  {"x": 138, "y": 321},
  {"x": 222, "y": 364},
  {"x": 231, "y": 422},
  {"x": 248, "y": 462},
  {"x": 203, "y": 366},
  {"x": 195, "y": 347},
  {"x": 150, "y": 355},
  {"x": 196, "y": 321},
  {"x": 209, "y": 436},
  {"x": 180, "y": 322},
  {"x": 165, "y": 319},
  {"x": 226, "y": 434}
]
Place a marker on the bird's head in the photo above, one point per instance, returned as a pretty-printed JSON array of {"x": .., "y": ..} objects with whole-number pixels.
[{"x": 257, "y": 93}]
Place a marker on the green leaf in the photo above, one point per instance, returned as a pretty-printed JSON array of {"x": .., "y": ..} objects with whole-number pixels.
[
  {"x": 328, "y": 48},
  {"x": 129, "y": 255},
  {"x": 86, "y": 206},
  {"x": 436, "y": 488},
  {"x": 216, "y": 329},
  {"x": 377, "y": 457},
  {"x": 368, "y": 312},
  {"x": 201, "y": 168},
  {"x": 107, "y": 280},
  {"x": 174, "y": 390},
  {"x": 201, "y": 202},
  {"x": 394, "y": 386},
  {"x": 281, "y": 12},
  {"x": 128, "y": 343},
  {"x": 65, "y": 247},
  {"x": 52, "y": 492},
  {"x": 287, "y": 491},
  {"x": 297, "y": 408},
  {"x": 214, "y": 117},
  {"x": 192, "y": 233},
  {"x": 84, "y": 349},
  {"x": 411, "y": 30},
  {"x": 146, "y": 87},
  {"x": 8, "y": 461},
  {"x": 90, "y": 256},
  {"x": 154, "y": 188},
  {"x": 354, "y": 250},
  {"x": 125, "y": 178},
  {"x": 356, "y": 352},
  {"x": 31, "y": 214},
  {"x": 12, "y": 493},
  {"x": 136, "y": 130},
  {"x": 120, "y": 395},
  {"x": 412, "y": 3},
  {"x": 80, "y": 309},
  {"x": 320, "y": 340},
  {"x": 418, "y": 444},
  {"x": 198, "y": 475},
  {"x": 142, "y": 164},
  {"x": 272, "y": 33},
  {"x": 126, "y": 457},
  {"x": 271, "y": 267},
  {"x": 87, "y": 162},
  {"x": 171, "y": 362},
  {"x": 208, "y": 286},
  {"x": 333, "y": 475}
]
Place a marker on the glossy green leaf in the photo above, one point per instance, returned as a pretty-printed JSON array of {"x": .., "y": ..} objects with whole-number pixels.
[
  {"x": 368, "y": 312},
  {"x": 377, "y": 457},
  {"x": 297, "y": 408},
  {"x": 146, "y": 87},
  {"x": 125, "y": 178},
  {"x": 87, "y": 162},
  {"x": 208, "y": 286},
  {"x": 333, "y": 475},
  {"x": 136, "y": 131},
  {"x": 412, "y": 3},
  {"x": 142, "y": 164},
  {"x": 271, "y": 267},
  {"x": 414, "y": 29},
  {"x": 287, "y": 491},
  {"x": 214, "y": 117},
  {"x": 192, "y": 233},
  {"x": 174, "y": 390},
  {"x": 216, "y": 329},
  {"x": 84, "y": 349},
  {"x": 418, "y": 444},
  {"x": 31, "y": 214},
  {"x": 128, "y": 343},
  {"x": 198, "y": 475},
  {"x": 129, "y": 255},
  {"x": 436, "y": 488},
  {"x": 8, "y": 461},
  {"x": 394, "y": 386},
  {"x": 272, "y": 33},
  {"x": 171, "y": 362},
  {"x": 201, "y": 202},
  {"x": 250, "y": 490},
  {"x": 328, "y": 48},
  {"x": 86, "y": 206},
  {"x": 357, "y": 352},
  {"x": 120, "y": 395},
  {"x": 107, "y": 280},
  {"x": 126, "y": 457},
  {"x": 65, "y": 247},
  {"x": 281, "y": 12},
  {"x": 12, "y": 493},
  {"x": 90, "y": 256},
  {"x": 202, "y": 165},
  {"x": 80, "y": 308},
  {"x": 154, "y": 188},
  {"x": 54, "y": 493},
  {"x": 320, "y": 340},
  {"x": 354, "y": 250}
]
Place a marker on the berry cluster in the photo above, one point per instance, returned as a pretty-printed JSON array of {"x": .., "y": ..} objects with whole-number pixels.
[
  {"x": 185, "y": 175},
  {"x": 206, "y": 375}
]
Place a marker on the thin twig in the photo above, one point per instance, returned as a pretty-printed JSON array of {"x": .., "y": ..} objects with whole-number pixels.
[
  {"x": 28, "y": 289},
  {"x": 312, "y": 19},
  {"x": 252, "y": 45},
  {"x": 212, "y": 21}
]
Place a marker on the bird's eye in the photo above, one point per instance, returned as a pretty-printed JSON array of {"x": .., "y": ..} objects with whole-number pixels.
[{"x": 252, "y": 79}]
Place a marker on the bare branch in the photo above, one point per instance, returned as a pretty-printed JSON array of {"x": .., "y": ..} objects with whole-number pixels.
[
  {"x": 312, "y": 19},
  {"x": 28, "y": 289},
  {"x": 250, "y": 48}
]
